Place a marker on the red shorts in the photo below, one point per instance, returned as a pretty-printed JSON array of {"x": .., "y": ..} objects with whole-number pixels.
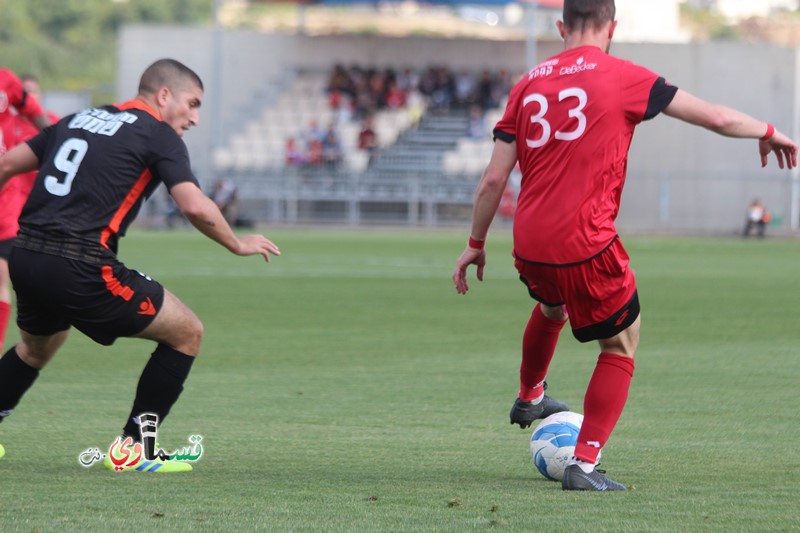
[{"x": 599, "y": 294}]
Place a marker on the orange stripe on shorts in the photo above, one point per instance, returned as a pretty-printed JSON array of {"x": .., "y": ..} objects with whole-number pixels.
[{"x": 114, "y": 286}]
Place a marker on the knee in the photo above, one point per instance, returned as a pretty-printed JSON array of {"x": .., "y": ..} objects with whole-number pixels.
[
  {"x": 186, "y": 338},
  {"x": 193, "y": 337},
  {"x": 624, "y": 343},
  {"x": 37, "y": 351},
  {"x": 33, "y": 356},
  {"x": 553, "y": 313}
]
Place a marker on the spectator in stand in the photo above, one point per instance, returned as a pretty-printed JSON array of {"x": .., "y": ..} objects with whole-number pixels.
[
  {"x": 335, "y": 99},
  {"x": 408, "y": 80},
  {"x": 295, "y": 156},
  {"x": 444, "y": 91},
  {"x": 340, "y": 81},
  {"x": 315, "y": 153},
  {"x": 501, "y": 86},
  {"x": 395, "y": 96},
  {"x": 313, "y": 133},
  {"x": 485, "y": 92},
  {"x": 427, "y": 83},
  {"x": 415, "y": 107},
  {"x": 369, "y": 90},
  {"x": 339, "y": 104},
  {"x": 332, "y": 152},
  {"x": 378, "y": 88},
  {"x": 367, "y": 138},
  {"x": 464, "y": 89},
  {"x": 363, "y": 101},
  {"x": 477, "y": 126}
]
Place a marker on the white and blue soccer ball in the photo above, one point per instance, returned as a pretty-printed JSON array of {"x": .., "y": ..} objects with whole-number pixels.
[{"x": 553, "y": 443}]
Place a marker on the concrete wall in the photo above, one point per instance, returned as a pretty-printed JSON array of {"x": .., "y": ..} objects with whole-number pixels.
[{"x": 680, "y": 177}]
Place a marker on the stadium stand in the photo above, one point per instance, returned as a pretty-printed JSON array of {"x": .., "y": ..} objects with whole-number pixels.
[{"x": 425, "y": 164}]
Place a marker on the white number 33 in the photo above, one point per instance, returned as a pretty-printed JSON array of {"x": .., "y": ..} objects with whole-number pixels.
[{"x": 574, "y": 112}]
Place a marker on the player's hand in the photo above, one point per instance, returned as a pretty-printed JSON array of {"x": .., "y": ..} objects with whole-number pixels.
[
  {"x": 785, "y": 150},
  {"x": 470, "y": 256},
  {"x": 257, "y": 245}
]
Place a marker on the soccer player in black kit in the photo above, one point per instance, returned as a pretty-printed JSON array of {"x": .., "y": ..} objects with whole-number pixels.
[{"x": 95, "y": 169}]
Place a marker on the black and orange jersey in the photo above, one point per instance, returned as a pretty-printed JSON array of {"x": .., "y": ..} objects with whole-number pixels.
[{"x": 96, "y": 168}]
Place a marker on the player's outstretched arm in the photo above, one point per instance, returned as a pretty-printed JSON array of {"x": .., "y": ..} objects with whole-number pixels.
[
  {"x": 203, "y": 214},
  {"x": 732, "y": 123},
  {"x": 487, "y": 200},
  {"x": 18, "y": 160}
]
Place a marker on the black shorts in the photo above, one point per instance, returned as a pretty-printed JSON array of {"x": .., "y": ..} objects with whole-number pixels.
[
  {"x": 103, "y": 299},
  {"x": 5, "y": 248}
]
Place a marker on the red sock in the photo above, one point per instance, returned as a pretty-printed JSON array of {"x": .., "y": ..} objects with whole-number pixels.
[
  {"x": 5, "y": 312},
  {"x": 603, "y": 404},
  {"x": 538, "y": 345}
]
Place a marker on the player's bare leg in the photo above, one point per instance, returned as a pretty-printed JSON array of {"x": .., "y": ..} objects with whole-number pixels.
[
  {"x": 5, "y": 299},
  {"x": 176, "y": 326}
]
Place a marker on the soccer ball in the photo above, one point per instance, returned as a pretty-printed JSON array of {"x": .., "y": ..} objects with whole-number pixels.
[{"x": 553, "y": 443}]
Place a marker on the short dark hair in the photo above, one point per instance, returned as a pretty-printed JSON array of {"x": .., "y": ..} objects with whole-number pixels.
[
  {"x": 581, "y": 14},
  {"x": 167, "y": 73}
]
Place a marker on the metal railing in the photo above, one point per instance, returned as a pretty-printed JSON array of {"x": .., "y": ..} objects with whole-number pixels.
[{"x": 412, "y": 197}]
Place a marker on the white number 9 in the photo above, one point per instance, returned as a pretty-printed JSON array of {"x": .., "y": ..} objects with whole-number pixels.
[{"x": 68, "y": 160}]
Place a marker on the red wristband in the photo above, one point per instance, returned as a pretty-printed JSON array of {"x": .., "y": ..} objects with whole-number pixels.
[
  {"x": 770, "y": 132},
  {"x": 474, "y": 243}
]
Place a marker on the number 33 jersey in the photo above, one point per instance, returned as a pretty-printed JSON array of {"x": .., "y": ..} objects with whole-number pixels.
[
  {"x": 96, "y": 168},
  {"x": 573, "y": 118}
]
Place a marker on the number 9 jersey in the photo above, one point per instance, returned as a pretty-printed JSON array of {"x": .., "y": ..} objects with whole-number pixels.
[
  {"x": 96, "y": 168},
  {"x": 573, "y": 118}
]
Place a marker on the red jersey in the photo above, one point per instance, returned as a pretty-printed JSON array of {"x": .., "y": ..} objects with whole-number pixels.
[
  {"x": 13, "y": 100},
  {"x": 15, "y": 103},
  {"x": 573, "y": 118},
  {"x": 24, "y": 128}
]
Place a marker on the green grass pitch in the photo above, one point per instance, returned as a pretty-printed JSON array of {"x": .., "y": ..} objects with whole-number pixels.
[{"x": 347, "y": 387}]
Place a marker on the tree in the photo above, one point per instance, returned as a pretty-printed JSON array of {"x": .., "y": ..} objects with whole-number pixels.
[{"x": 71, "y": 44}]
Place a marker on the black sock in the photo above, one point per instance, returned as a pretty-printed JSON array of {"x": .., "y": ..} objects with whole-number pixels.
[
  {"x": 16, "y": 377},
  {"x": 159, "y": 386}
]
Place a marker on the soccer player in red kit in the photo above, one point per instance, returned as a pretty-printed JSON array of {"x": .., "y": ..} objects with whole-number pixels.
[
  {"x": 569, "y": 122},
  {"x": 16, "y": 105},
  {"x": 25, "y": 128}
]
